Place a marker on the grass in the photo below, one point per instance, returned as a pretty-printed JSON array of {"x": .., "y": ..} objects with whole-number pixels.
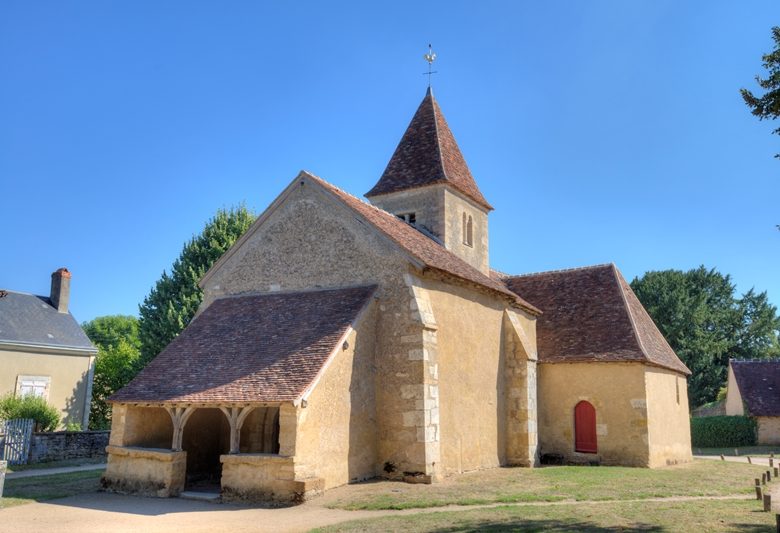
[
  {"x": 40, "y": 488},
  {"x": 753, "y": 451},
  {"x": 550, "y": 484},
  {"x": 709, "y": 515},
  {"x": 58, "y": 464}
]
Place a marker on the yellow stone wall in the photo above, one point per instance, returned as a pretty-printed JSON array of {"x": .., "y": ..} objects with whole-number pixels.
[
  {"x": 336, "y": 437},
  {"x": 477, "y": 254},
  {"x": 734, "y": 405},
  {"x": 668, "y": 417},
  {"x": 768, "y": 430},
  {"x": 68, "y": 379},
  {"x": 147, "y": 427},
  {"x": 616, "y": 390},
  {"x": 471, "y": 374},
  {"x": 144, "y": 471}
]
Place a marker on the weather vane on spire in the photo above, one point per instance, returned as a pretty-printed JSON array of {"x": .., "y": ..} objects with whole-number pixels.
[{"x": 430, "y": 57}]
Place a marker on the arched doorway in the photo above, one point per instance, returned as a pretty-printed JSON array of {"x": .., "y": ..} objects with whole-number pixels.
[
  {"x": 206, "y": 436},
  {"x": 585, "y": 428}
]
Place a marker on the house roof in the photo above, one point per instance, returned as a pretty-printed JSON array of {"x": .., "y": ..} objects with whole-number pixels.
[
  {"x": 427, "y": 155},
  {"x": 591, "y": 314},
  {"x": 251, "y": 348},
  {"x": 429, "y": 252},
  {"x": 759, "y": 386},
  {"x": 27, "y": 319}
]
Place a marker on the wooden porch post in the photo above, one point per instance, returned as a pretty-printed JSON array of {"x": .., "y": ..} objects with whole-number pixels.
[
  {"x": 236, "y": 417},
  {"x": 179, "y": 417}
]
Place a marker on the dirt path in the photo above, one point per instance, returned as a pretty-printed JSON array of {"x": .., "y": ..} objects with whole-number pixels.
[
  {"x": 101, "y": 512},
  {"x": 51, "y": 471}
]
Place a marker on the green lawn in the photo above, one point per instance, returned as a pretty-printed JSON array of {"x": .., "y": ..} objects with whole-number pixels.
[
  {"x": 39, "y": 488},
  {"x": 712, "y": 515},
  {"x": 549, "y": 484}
]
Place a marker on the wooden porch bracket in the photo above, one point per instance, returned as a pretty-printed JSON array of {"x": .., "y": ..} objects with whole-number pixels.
[
  {"x": 236, "y": 417},
  {"x": 179, "y": 417}
]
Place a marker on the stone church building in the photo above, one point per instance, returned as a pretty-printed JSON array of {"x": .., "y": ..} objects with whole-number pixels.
[{"x": 340, "y": 340}]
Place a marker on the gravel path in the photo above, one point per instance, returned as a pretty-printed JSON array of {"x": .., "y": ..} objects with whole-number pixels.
[{"x": 51, "y": 471}]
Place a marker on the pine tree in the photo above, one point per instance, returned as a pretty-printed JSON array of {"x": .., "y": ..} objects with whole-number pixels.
[
  {"x": 175, "y": 298},
  {"x": 767, "y": 106}
]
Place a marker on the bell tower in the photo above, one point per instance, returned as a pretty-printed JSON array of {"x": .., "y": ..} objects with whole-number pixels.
[{"x": 428, "y": 184}]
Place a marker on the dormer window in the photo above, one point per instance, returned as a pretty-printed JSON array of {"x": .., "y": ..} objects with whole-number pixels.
[
  {"x": 409, "y": 218},
  {"x": 468, "y": 230}
]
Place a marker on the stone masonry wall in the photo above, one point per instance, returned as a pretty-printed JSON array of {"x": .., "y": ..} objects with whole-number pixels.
[{"x": 62, "y": 445}]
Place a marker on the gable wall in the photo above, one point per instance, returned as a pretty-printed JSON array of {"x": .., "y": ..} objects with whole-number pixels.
[
  {"x": 734, "y": 404},
  {"x": 616, "y": 390},
  {"x": 668, "y": 417},
  {"x": 471, "y": 366}
]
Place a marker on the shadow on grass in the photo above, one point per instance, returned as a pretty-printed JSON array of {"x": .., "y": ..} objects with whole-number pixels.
[{"x": 560, "y": 526}]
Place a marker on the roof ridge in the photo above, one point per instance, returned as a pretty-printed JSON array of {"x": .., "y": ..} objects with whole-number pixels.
[
  {"x": 438, "y": 137},
  {"x": 556, "y": 271},
  {"x": 631, "y": 317}
]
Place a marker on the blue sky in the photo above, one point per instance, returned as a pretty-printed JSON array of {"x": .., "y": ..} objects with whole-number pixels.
[{"x": 601, "y": 131}]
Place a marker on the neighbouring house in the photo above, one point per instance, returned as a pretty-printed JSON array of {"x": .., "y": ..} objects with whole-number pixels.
[
  {"x": 754, "y": 390},
  {"x": 340, "y": 340},
  {"x": 44, "y": 351}
]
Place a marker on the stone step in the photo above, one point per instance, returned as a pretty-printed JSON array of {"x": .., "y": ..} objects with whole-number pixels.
[{"x": 200, "y": 496}]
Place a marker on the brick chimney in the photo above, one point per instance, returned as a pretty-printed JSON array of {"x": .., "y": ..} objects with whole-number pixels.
[{"x": 60, "y": 289}]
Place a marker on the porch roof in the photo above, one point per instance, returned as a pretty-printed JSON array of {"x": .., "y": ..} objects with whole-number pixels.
[{"x": 250, "y": 348}]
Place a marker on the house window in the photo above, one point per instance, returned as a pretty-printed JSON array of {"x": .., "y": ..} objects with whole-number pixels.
[
  {"x": 585, "y": 428},
  {"x": 33, "y": 386},
  {"x": 468, "y": 230},
  {"x": 409, "y": 218}
]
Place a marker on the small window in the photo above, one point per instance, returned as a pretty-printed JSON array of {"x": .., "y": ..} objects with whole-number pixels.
[
  {"x": 468, "y": 230},
  {"x": 677, "y": 385},
  {"x": 33, "y": 386},
  {"x": 409, "y": 218}
]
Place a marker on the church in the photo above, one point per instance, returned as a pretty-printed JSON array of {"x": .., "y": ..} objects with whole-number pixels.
[{"x": 341, "y": 340}]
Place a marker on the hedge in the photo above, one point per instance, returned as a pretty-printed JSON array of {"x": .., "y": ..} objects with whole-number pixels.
[
  {"x": 46, "y": 416},
  {"x": 723, "y": 431}
]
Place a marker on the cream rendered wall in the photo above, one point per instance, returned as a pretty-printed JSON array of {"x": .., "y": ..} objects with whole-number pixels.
[
  {"x": 471, "y": 376},
  {"x": 734, "y": 404},
  {"x": 616, "y": 390},
  {"x": 69, "y": 375},
  {"x": 668, "y": 417},
  {"x": 768, "y": 430},
  {"x": 336, "y": 437}
]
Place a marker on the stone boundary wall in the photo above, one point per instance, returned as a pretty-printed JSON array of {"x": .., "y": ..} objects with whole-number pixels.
[{"x": 62, "y": 445}]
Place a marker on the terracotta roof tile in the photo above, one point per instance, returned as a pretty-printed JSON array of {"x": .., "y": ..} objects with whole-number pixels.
[
  {"x": 591, "y": 314},
  {"x": 759, "y": 386},
  {"x": 426, "y": 155},
  {"x": 253, "y": 348},
  {"x": 432, "y": 254}
]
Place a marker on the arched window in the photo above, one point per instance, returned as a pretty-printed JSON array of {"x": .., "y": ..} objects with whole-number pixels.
[
  {"x": 468, "y": 230},
  {"x": 585, "y": 428}
]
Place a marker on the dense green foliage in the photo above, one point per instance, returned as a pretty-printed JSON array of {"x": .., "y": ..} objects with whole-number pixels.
[
  {"x": 119, "y": 348},
  {"x": 175, "y": 298},
  {"x": 723, "y": 431},
  {"x": 767, "y": 106},
  {"x": 46, "y": 416},
  {"x": 706, "y": 323}
]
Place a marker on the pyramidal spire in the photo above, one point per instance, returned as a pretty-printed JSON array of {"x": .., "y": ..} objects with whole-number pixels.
[{"x": 428, "y": 155}]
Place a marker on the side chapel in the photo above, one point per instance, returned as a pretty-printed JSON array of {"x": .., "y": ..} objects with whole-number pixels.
[{"x": 340, "y": 340}]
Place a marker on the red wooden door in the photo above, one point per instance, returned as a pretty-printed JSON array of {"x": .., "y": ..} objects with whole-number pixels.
[{"x": 585, "y": 428}]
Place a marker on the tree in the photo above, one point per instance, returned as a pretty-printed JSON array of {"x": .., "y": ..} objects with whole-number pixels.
[
  {"x": 119, "y": 348},
  {"x": 767, "y": 106},
  {"x": 706, "y": 324},
  {"x": 175, "y": 297}
]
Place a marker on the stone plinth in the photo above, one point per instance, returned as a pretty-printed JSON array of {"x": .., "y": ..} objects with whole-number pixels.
[
  {"x": 265, "y": 478},
  {"x": 145, "y": 471}
]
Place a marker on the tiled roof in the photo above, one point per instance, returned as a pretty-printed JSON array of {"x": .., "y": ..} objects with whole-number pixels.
[
  {"x": 759, "y": 386},
  {"x": 252, "y": 348},
  {"x": 29, "y": 319},
  {"x": 426, "y": 155},
  {"x": 591, "y": 314},
  {"x": 432, "y": 254}
]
